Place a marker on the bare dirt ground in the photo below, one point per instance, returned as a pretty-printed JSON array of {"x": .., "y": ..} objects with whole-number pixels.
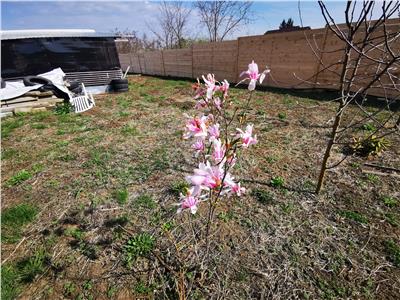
[{"x": 77, "y": 188}]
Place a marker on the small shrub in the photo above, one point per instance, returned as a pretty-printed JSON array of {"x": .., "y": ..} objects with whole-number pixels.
[
  {"x": 393, "y": 251},
  {"x": 277, "y": 181},
  {"x": 18, "y": 178},
  {"x": 262, "y": 196},
  {"x": 370, "y": 145},
  {"x": 139, "y": 246}
]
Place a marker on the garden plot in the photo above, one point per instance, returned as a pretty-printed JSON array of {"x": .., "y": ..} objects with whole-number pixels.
[{"x": 89, "y": 204}]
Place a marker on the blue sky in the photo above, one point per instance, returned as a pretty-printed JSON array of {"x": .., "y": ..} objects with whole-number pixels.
[{"x": 105, "y": 16}]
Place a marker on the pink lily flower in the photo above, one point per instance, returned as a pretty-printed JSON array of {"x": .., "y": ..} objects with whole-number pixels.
[
  {"x": 217, "y": 103},
  {"x": 224, "y": 87},
  {"x": 253, "y": 75},
  {"x": 210, "y": 84},
  {"x": 246, "y": 136},
  {"x": 207, "y": 176},
  {"x": 189, "y": 201},
  {"x": 196, "y": 127},
  {"x": 198, "y": 146},
  {"x": 218, "y": 151},
  {"x": 213, "y": 130},
  {"x": 237, "y": 189}
]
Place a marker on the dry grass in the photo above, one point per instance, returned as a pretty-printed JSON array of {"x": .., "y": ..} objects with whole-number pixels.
[{"x": 110, "y": 175}]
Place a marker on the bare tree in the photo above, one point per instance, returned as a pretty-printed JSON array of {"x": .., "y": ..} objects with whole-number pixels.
[
  {"x": 222, "y": 18},
  {"x": 173, "y": 21},
  {"x": 370, "y": 61}
]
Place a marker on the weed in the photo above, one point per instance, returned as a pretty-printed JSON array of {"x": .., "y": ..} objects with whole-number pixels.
[
  {"x": 8, "y": 153},
  {"x": 142, "y": 288},
  {"x": 140, "y": 245},
  {"x": 262, "y": 196},
  {"x": 271, "y": 159},
  {"x": 111, "y": 291},
  {"x": 287, "y": 208},
  {"x": 31, "y": 267},
  {"x": 129, "y": 130},
  {"x": 393, "y": 251},
  {"x": 179, "y": 187},
  {"x": 282, "y": 116},
  {"x": 122, "y": 196},
  {"x": 161, "y": 159},
  {"x": 370, "y": 145},
  {"x": 63, "y": 109},
  {"x": 392, "y": 219},
  {"x": 38, "y": 126},
  {"x": 390, "y": 201},
  {"x": 18, "y": 178},
  {"x": 355, "y": 216},
  {"x": 69, "y": 289},
  {"x": 10, "y": 282},
  {"x": 145, "y": 201},
  {"x": 277, "y": 182},
  {"x": 14, "y": 219},
  {"x": 68, "y": 157},
  {"x": 372, "y": 178},
  {"x": 9, "y": 125},
  {"x": 167, "y": 226},
  {"x": 368, "y": 127},
  {"x": 226, "y": 216},
  {"x": 76, "y": 233}
]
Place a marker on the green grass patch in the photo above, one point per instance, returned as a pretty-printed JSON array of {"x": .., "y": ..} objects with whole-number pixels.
[
  {"x": 8, "y": 153},
  {"x": 277, "y": 181},
  {"x": 15, "y": 275},
  {"x": 18, "y": 178},
  {"x": 393, "y": 251},
  {"x": 355, "y": 216},
  {"x": 38, "y": 126},
  {"x": 14, "y": 219},
  {"x": 179, "y": 187},
  {"x": 390, "y": 201},
  {"x": 10, "y": 124},
  {"x": 145, "y": 201},
  {"x": 121, "y": 196},
  {"x": 140, "y": 245},
  {"x": 262, "y": 196},
  {"x": 129, "y": 130}
]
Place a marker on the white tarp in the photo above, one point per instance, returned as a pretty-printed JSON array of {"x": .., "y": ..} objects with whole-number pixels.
[{"x": 17, "y": 88}]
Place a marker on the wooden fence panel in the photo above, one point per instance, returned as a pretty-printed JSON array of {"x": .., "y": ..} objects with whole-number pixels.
[
  {"x": 178, "y": 62},
  {"x": 225, "y": 55},
  {"x": 202, "y": 59},
  {"x": 300, "y": 59},
  {"x": 154, "y": 63}
]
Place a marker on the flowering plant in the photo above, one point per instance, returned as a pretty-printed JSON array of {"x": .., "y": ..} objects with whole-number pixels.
[{"x": 216, "y": 147}]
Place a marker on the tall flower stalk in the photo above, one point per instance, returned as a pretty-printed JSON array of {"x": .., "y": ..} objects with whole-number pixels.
[{"x": 217, "y": 146}]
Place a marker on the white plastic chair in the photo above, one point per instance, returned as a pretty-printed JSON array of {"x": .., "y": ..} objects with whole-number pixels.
[{"x": 84, "y": 102}]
